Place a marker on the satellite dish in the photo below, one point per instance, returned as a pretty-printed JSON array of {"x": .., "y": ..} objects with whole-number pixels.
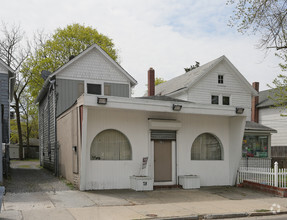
[{"x": 45, "y": 74}]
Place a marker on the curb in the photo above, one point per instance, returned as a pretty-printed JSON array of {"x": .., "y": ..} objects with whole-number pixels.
[{"x": 220, "y": 216}]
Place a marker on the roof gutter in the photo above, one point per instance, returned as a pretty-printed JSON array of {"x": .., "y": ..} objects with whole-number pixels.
[{"x": 260, "y": 131}]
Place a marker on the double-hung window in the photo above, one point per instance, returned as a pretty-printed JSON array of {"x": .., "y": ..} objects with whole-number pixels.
[
  {"x": 215, "y": 99},
  {"x": 225, "y": 100},
  {"x": 220, "y": 79}
]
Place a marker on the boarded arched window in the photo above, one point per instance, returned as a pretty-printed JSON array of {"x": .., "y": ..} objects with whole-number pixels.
[
  {"x": 111, "y": 145},
  {"x": 206, "y": 147}
]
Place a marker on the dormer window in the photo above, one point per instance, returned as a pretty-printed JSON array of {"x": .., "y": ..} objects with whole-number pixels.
[
  {"x": 220, "y": 79},
  {"x": 95, "y": 89}
]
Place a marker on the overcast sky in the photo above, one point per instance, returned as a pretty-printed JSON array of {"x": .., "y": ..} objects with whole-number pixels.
[{"x": 167, "y": 35}]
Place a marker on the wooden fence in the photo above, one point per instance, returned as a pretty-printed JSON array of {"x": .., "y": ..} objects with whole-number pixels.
[{"x": 268, "y": 176}]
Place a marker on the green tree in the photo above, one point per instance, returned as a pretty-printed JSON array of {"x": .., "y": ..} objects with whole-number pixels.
[
  {"x": 197, "y": 64},
  {"x": 28, "y": 121},
  {"x": 65, "y": 42},
  {"x": 29, "y": 117},
  {"x": 14, "y": 52},
  {"x": 159, "y": 80},
  {"x": 268, "y": 18},
  {"x": 279, "y": 90}
]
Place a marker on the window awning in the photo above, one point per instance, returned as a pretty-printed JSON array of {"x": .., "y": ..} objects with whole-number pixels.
[{"x": 164, "y": 124}]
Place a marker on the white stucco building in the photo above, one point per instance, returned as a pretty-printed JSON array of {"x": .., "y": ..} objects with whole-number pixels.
[{"x": 192, "y": 125}]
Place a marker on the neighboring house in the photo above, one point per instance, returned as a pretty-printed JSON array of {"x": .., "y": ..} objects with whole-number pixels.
[
  {"x": 256, "y": 145},
  {"x": 96, "y": 136},
  {"x": 222, "y": 86},
  {"x": 6, "y": 96},
  {"x": 29, "y": 152},
  {"x": 267, "y": 114},
  {"x": 91, "y": 72},
  {"x": 231, "y": 89}
]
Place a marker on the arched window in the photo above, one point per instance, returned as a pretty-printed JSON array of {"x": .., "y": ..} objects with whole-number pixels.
[
  {"x": 206, "y": 147},
  {"x": 111, "y": 145}
]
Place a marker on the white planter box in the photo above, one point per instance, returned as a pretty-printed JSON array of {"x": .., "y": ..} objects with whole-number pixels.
[
  {"x": 141, "y": 183},
  {"x": 189, "y": 181}
]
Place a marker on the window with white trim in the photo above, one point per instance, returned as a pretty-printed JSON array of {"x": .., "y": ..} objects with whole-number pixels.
[
  {"x": 111, "y": 144},
  {"x": 225, "y": 100},
  {"x": 206, "y": 147},
  {"x": 94, "y": 88},
  {"x": 215, "y": 99},
  {"x": 220, "y": 79}
]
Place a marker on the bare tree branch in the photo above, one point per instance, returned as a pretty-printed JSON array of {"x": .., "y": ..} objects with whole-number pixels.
[{"x": 14, "y": 54}]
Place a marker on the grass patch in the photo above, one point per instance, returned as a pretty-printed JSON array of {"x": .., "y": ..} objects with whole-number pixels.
[
  {"x": 262, "y": 210},
  {"x": 32, "y": 160},
  {"x": 24, "y": 166},
  {"x": 68, "y": 183}
]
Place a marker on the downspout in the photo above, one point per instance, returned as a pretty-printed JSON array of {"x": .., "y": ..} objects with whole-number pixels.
[
  {"x": 55, "y": 129},
  {"x": 9, "y": 128},
  {"x": 49, "y": 142},
  {"x": 1, "y": 164},
  {"x": 52, "y": 82},
  {"x": 10, "y": 79}
]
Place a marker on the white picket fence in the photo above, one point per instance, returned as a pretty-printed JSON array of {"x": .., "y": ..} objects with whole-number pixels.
[{"x": 268, "y": 176}]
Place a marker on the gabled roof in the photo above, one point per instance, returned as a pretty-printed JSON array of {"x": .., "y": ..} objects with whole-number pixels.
[
  {"x": 256, "y": 127},
  {"x": 264, "y": 101},
  {"x": 6, "y": 66},
  {"x": 44, "y": 89},
  {"x": 266, "y": 98},
  {"x": 187, "y": 80},
  {"x": 11, "y": 75},
  {"x": 125, "y": 73}
]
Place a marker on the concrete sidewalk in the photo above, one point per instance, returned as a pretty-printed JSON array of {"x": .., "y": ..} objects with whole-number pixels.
[{"x": 128, "y": 204}]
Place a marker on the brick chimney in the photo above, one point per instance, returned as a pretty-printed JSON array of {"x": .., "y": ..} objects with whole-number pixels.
[
  {"x": 255, "y": 100},
  {"x": 150, "y": 75}
]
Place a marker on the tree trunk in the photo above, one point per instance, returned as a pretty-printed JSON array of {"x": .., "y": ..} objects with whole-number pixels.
[
  {"x": 28, "y": 135},
  {"x": 18, "y": 119}
]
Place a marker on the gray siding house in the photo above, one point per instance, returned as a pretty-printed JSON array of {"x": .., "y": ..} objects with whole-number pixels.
[
  {"x": 266, "y": 113},
  {"x": 95, "y": 135},
  {"x": 6, "y": 95},
  {"x": 93, "y": 74}
]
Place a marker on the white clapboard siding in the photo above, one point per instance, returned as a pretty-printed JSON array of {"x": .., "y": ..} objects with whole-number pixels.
[
  {"x": 239, "y": 95},
  {"x": 270, "y": 117}
]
